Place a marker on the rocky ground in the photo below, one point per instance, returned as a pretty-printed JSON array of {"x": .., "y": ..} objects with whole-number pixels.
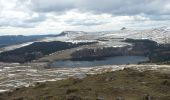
[
  {"x": 148, "y": 79},
  {"x": 127, "y": 84}
]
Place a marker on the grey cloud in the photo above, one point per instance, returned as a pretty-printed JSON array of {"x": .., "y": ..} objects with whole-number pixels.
[
  {"x": 114, "y": 7},
  {"x": 85, "y": 22},
  {"x": 153, "y": 9},
  {"x": 126, "y": 7},
  {"x": 52, "y": 5},
  {"x": 28, "y": 23},
  {"x": 39, "y": 18},
  {"x": 22, "y": 7},
  {"x": 17, "y": 24},
  {"x": 159, "y": 18}
]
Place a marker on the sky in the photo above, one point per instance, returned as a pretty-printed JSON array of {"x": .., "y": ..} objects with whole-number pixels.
[{"x": 29, "y": 17}]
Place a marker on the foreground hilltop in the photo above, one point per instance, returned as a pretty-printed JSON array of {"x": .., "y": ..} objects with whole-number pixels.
[{"x": 127, "y": 84}]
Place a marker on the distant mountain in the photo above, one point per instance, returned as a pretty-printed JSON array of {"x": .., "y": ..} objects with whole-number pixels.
[
  {"x": 69, "y": 39},
  {"x": 160, "y": 35},
  {"x": 69, "y": 36},
  {"x": 123, "y": 28},
  {"x": 72, "y": 33},
  {"x": 18, "y": 39}
]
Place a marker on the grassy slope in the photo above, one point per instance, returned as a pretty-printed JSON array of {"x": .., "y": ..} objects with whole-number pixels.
[
  {"x": 127, "y": 84},
  {"x": 37, "y": 50}
]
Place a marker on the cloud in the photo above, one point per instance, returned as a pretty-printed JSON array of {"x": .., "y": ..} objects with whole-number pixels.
[
  {"x": 114, "y": 7},
  {"x": 147, "y": 9},
  {"x": 35, "y": 18},
  {"x": 47, "y": 16},
  {"x": 15, "y": 13},
  {"x": 29, "y": 22},
  {"x": 85, "y": 19},
  {"x": 52, "y": 5},
  {"x": 84, "y": 22}
]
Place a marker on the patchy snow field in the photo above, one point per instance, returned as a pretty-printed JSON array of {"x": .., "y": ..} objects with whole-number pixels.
[
  {"x": 15, "y": 75},
  {"x": 13, "y": 47},
  {"x": 110, "y": 39}
]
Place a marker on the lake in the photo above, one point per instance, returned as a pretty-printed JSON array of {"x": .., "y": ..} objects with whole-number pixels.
[{"x": 119, "y": 60}]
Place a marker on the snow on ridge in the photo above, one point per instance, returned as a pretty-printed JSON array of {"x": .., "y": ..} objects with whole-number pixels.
[
  {"x": 72, "y": 33},
  {"x": 159, "y": 35},
  {"x": 3, "y": 91},
  {"x": 67, "y": 36},
  {"x": 12, "y": 47}
]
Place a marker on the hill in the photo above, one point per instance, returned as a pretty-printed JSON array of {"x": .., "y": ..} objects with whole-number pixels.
[
  {"x": 17, "y": 39},
  {"x": 127, "y": 84}
]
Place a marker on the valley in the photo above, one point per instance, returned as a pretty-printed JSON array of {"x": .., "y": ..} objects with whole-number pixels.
[
  {"x": 77, "y": 54},
  {"x": 72, "y": 45},
  {"x": 84, "y": 49}
]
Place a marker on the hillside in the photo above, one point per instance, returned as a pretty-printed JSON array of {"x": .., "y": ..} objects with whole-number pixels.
[
  {"x": 36, "y": 50},
  {"x": 152, "y": 43},
  {"x": 127, "y": 84},
  {"x": 18, "y": 39}
]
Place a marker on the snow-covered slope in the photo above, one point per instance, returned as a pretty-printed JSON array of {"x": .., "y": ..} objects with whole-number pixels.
[
  {"x": 12, "y": 47},
  {"x": 72, "y": 34},
  {"x": 65, "y": 36},
  {"x": 160, "y": 35},
  {"x": 114, "y": 38}
]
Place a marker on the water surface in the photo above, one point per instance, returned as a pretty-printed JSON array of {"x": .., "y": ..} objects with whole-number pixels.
[{"x": 119, "y": 60}]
